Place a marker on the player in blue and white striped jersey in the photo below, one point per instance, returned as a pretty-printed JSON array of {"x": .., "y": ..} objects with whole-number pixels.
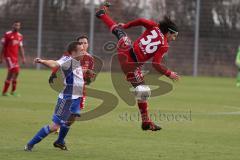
[{"x": 69, "y": 99}]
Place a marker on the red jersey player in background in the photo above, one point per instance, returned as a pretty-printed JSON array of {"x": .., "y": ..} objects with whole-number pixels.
[
  {"x": 12, "y": 42},
  {"x": 153, "y": 43},
  {"x": 87, "y": 62}
]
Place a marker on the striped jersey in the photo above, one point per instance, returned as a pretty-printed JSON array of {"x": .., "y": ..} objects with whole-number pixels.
[{"x": 72, "y": 74}]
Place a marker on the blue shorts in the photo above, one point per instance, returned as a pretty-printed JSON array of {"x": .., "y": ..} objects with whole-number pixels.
[{"x": 65, "y": 108}]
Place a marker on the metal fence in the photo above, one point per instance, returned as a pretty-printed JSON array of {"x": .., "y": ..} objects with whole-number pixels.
[{"x": 207, "y": 43}]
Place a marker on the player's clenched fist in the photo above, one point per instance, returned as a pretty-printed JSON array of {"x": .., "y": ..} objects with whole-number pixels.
[
  {"x": 174, "y": 76},
  {"x": 37, "y": 60}
]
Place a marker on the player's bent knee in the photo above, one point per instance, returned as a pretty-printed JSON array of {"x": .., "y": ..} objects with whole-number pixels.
[
  {"x": 69, "y": 123},
  {"x": 119, "y": 33},
  {"x": 142, "y": 92},
  {"x": 54, "y": 127},
  {"x": 71, "y": 119}
]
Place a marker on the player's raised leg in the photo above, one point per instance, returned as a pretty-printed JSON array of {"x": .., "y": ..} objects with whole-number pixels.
[
  {"x": 110, "y": 23},
  {"x": 129, "y": 65},
  {"x": 101, "y": 14}
]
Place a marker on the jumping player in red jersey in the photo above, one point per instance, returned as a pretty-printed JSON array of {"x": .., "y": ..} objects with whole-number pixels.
[
  {"x": 12, "y": 42},
  {"x": 153, "y": 43}
]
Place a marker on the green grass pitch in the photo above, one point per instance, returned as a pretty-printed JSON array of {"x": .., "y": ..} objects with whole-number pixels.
[{"x": 209, "y": 128}]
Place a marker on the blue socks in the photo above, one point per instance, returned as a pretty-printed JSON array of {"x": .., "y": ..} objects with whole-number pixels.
[
  {"x": 45, "y": 131},
  {"x": 42, "y": 133},
  {"x": 62, "y": 134}
]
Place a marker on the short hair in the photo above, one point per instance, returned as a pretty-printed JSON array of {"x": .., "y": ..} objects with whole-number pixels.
[
  {"x": 167, "y": 25},
  {"x": 72, "y": 46},
  {"x": 82, "y": 37},
  {"x": 16, "y": 21}
]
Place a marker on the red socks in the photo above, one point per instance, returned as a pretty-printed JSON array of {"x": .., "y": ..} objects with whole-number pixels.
[
  {"x": 143, "y": 108},
  {"x": 7, "y": 84},
  {"x": 82, "y": 104},
  {"x": 108, "y": 21},
  {"x": 14, "y": 85},
  {"x": 5, "y": 88}
]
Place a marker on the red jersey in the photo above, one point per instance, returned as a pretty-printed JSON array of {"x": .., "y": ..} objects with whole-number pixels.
[
  {"x": 151, "y": 44},
  {"x": 11, "y": 43},
  {"x": 87, "y": 62}
]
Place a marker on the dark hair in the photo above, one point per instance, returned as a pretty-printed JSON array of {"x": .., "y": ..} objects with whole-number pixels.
[
  {"x": 82, "y": 37},
  {"x": 72, "y": 46},
  {"x": 167, "y": 25},
  {"x": 16, "y": 21}
]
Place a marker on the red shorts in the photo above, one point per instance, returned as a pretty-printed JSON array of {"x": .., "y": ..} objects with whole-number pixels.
[
  {"x": 128, "y": 63},
  {"x": 12, "y": 65}
]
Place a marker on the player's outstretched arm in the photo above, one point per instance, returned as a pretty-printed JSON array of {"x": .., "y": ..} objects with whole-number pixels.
[
  {"x": 170, "y": 74},
  {"x": 164, "y": 70},
  {"x": 49, "y": 63}
]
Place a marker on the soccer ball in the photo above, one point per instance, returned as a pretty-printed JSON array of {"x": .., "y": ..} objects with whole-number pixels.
[{"x": 142, "y": 92}]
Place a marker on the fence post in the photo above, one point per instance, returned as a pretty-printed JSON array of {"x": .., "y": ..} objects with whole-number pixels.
[
  {"x": 91, "y": 32},
  {"x": 39, "y": 41},
  {"x": 196, "y": 41}
]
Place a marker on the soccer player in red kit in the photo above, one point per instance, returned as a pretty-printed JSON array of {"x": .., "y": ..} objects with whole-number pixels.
[
  {"x": 153, "y": 43},
  {"x": 87, "y": 62},
  {"x": 12, "y": 42}
]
